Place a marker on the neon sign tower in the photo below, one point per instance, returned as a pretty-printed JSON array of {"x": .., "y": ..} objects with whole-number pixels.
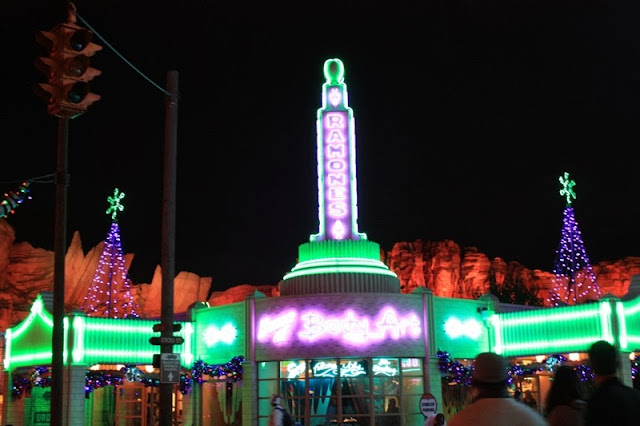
[
  {"x": 338, "y": 258},
  {"x": 337, "y": 190}
]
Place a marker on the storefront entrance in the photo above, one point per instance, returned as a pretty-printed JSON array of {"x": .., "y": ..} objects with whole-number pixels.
[{"x": 350, "y": 391}]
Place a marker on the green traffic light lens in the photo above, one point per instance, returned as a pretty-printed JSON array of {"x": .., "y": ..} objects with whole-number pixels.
[
  {"x": 77, "y": 66},
  {"x": 79, "y": 40},
  {"x": 78, "y": 92}
]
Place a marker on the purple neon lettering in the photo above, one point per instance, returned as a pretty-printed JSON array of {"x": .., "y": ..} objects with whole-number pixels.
[
  {"x": 337, "y": 193},
  {"x": 336, "y": 179},
  {"x": 336, "y": 165},
  {"x": 338, "y": 209},
  {"x": 336, "y": 150},
  {"x": 335, "y": 120}
]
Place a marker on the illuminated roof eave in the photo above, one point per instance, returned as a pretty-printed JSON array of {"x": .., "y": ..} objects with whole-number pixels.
[{"x": 338, "y": 269}]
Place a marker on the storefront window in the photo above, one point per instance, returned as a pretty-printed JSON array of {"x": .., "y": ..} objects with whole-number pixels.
[{"x": 347, "y": 391}]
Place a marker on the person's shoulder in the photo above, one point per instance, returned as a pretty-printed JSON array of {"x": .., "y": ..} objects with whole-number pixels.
[
  {"x": 529, "y": 415},
  {"x": 579, "y": 404}
]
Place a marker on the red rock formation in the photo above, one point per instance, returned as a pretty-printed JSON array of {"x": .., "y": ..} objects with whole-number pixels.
[{"x": 439, "y": 266}]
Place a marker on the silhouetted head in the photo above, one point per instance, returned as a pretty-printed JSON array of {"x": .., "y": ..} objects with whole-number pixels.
[{"x": 604, "y": 358}]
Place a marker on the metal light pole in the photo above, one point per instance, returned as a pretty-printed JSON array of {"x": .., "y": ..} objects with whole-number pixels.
[
  {"x": 168, "y": 235},
  {"x": 59, "y": 247}
]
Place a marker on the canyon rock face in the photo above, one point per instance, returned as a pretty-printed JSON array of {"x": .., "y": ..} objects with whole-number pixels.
[
  {"x": 442, "y": 266},
  {"x": 450, "y": 271}
]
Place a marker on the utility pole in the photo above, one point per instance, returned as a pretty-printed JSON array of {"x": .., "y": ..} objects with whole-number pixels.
[
  {"x": 67, "y": 95},
  {"x": 168, "y": 235},
  {"x": 59, "y": 247}
]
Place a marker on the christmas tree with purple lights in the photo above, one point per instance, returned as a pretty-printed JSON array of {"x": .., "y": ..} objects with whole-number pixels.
[
  {"x": 109, "y": 294},
  {"x": 575, "y": 281}
]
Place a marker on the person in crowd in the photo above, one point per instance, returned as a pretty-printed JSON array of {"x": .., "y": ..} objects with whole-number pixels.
[
  {"x": 435, "y": 420},
  {"x": 612, "y": 403},
  {"x": 530, "y": 400},
  {"x": 491, "y": 403},
  {"x": 517, "y": 395},
  {"x": 392, "y": 407},
  {"x": 439, "y": 420},
  {"x": 564, "y": 405},
  {"x": 277, "y": 415}
]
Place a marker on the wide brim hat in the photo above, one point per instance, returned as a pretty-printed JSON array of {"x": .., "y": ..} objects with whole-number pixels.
[{"x": 490, "y": 368}]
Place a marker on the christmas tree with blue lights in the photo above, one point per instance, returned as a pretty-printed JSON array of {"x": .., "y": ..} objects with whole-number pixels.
[
  {"x": 109, "y": 294},
  {"x": 574, "y": 281}
]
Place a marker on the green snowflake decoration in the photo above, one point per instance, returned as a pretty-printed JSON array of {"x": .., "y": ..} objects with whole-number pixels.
[
  {"x": 567, "y": 188},
  {"x": 114, "y": 203}
]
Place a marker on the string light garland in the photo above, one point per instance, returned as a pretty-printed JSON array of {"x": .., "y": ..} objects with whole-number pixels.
[
  {"x": 14, "y": 199},
  {"x": 41, "y": 376},
  {"x": 455, "y": 372}
]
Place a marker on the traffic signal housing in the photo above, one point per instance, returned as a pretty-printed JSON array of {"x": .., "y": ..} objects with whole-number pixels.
[{"x": 68, "y": 69}]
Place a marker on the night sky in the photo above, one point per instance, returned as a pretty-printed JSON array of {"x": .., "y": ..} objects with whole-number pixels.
[{"x": 466, "y": 115}]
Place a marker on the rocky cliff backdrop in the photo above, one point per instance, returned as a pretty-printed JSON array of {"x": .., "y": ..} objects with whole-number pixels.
[{"x": 442, "y": 266}]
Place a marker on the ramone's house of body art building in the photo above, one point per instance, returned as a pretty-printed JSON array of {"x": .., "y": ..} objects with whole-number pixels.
[
  {"x": 338, "y": 344},
  {"x": 341, "y": 340}
]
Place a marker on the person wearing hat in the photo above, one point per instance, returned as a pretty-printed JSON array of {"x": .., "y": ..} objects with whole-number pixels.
[{"x": 491, "y": 403}]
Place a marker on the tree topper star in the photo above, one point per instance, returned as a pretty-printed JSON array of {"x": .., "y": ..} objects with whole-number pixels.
[
  {"x": 114, "y": 203},
  {"x": 567, "y": 188}
]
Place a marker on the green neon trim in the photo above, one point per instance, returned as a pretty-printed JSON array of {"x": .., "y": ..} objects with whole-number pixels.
[
  {"x": 104, "y": 338},
  {"x": 514, "y": 332},
  {"x": 494, "y": 320},
  {"x": 7, "y": 349},
  {"x": 33, "y": 358},
  {"x": 37, "y": 310},
  {"x": 65, "y": 339},
  {"x": 622, "y": 323},
  {"x": 121, "y": 328},
  {"x": 112, "y": 353},
  {"x": 632, "y": 308},
  {"x": 339, "y": 270},
  {"x": 605, "y": 320},
  {"x": 546, "y": 317},
  {"x": 556, "y": 344},
  {"x": 41, "y": 322},
  {"x": 329, "y": 249},
  {"x": 339, "y": 261},
  {"x": 633, "y": 339},
  {"x": 77, "y": 353},
  {"x": 187, "y": 354},
  {"x": 334, "y": 71}
]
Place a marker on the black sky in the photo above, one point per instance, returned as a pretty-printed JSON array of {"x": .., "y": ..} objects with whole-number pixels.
[{"x": 466, "y": 115}]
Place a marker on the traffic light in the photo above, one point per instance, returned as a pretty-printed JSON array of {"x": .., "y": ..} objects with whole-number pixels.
[{"x": 68, "y": 69}]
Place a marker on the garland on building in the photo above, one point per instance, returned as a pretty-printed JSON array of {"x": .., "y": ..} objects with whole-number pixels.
[
  {"x": 455, "y": 372},
  {"x": 41, "y": 376},
  {"x": 231, "y": 370}
]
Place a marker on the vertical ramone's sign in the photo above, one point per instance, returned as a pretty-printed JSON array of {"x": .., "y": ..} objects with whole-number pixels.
[{"x": 337, "y": 197}]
